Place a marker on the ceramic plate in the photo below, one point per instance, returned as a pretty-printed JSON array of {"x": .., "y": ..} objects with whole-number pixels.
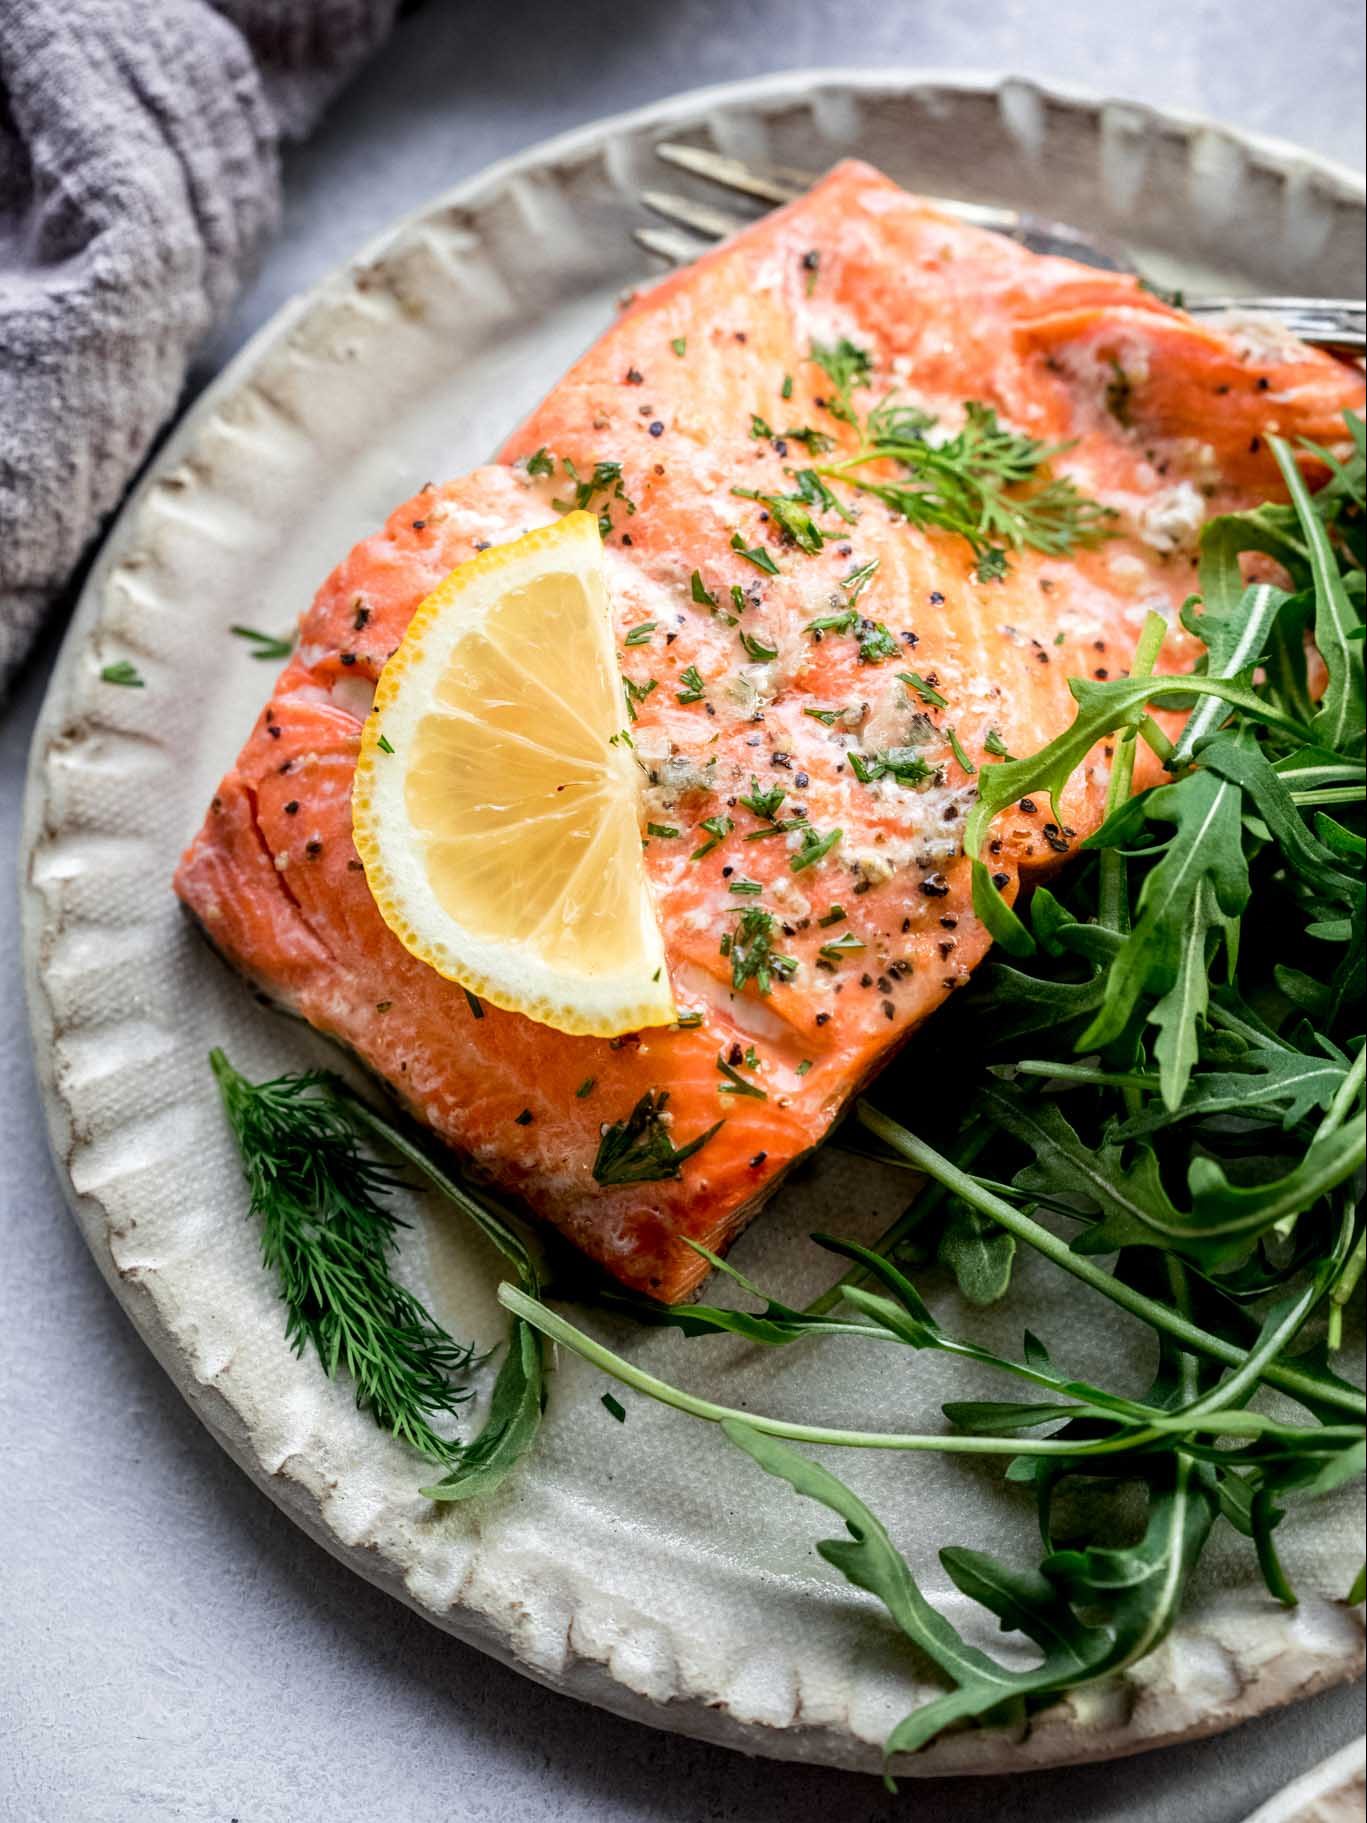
[{"x": 645, "y": 1566}]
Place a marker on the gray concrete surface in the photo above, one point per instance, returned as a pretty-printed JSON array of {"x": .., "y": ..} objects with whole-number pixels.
[{"x": 170, "y": 1647}]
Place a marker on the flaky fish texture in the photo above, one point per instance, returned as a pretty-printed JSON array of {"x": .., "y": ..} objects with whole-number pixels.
[{"x": 806, "y": 979}]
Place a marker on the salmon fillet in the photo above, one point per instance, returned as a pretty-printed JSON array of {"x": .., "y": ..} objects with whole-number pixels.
[{"x": 705, "y": 384}]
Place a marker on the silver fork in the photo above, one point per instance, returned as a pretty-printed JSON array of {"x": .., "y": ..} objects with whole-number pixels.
[{"x": 1337, "y": 324}]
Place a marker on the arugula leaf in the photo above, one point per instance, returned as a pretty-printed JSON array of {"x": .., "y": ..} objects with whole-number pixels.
[{"x": 1341, "y": 721}]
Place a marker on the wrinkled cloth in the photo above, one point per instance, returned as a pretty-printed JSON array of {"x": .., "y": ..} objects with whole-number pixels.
[{"x": 139, "y": 182}]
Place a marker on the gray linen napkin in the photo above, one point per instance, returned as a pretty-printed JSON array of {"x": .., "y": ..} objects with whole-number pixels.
[{"x": 139, "y": 180}]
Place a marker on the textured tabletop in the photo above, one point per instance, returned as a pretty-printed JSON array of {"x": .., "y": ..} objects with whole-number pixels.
[{"x": 170, "y": 1646}]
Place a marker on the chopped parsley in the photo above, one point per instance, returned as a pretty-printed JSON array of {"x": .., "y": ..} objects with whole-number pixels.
[
  {"x": 640, "y": 635},
  {"x": 814, "y": 848},
  {"x": 956, "y": 748},
  {"x": 858, "y": 580},
  {"x": 829, "y": 717},
  {"x": 791, "y": 514},
  {"x": 638, "y": 1150},
  {"x": 764, "y": 803},
  {"x": 718, "y": 828},
  {"x": 264, "y": 645},
  {"x": 680, "y": 345},
  {"x": 904, "y": 764},
  {"x": 996, "y": 746},
  {"x": 383, "y": 744},
  {"x": 606, "y": 478},
  {"x": 836, "y": 915},
  {"x": 786, "y": 390},
  {"x": 125, "y": 673},
  {"x": 843, "y": 622},
  {"x": 843, "y": 945},
  {"x": 756, "y": 648},
  {"x": 664, "y": 830},
  {"x": 846, "y": 367},
  {"x": 875, "y": 643},
  {"x": 754, "y": 553},
  {"x": 736, "y": 1084},
  {"x": 541, "y": 463},
  {"x": 750, "y": 949},
  {"x": 693, "y": 685},
  {"x": 914, "y": 681},
  {"x": 700, "y": 591},
  {"x": 637, "y": 693}
]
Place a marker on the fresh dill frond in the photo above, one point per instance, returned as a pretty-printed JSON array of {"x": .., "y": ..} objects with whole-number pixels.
[{"x": 327, "y": 1237}]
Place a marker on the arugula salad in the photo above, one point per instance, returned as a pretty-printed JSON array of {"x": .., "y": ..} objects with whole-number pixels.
[{"x": 1157, "y": 1086}]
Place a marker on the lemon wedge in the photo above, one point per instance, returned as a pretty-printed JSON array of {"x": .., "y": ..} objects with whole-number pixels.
[{"x": 495, "y": 803}]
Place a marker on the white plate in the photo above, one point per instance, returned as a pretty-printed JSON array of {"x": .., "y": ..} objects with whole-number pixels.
[{"x": 644, "y": 1566}]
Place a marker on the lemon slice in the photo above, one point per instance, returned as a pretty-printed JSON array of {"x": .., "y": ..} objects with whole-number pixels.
[{"x": 494, "y": 812}]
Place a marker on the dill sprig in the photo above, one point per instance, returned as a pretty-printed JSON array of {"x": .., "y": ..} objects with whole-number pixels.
[
  {"x": 988, "y": 484},
  {"x": 327, "y": 1237}
]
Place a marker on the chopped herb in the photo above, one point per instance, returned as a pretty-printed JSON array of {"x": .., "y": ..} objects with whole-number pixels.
[
  {"x": 843, "y": 945},
  {"x": 995, "y": 745},
  {"x": 718, "y": 828},
  {"x": 383, "y": 744},
  {"x": 680, "y": 345},
  {"x": 639, "y": 1150},
  {"x": 541, "y": 463},
  {"x": 791, "y": 514},
  {"x": 956, "y": 748},
  {"x": 636, "y": 693},
  {"x": 875, "y": 643},
  {"x": 814, "y": 848},
  {"x": 664, "y": 830},
  {"x": 614, "y": 1408},
  {"x": 264, "y": 645},
  {"x": 123, "y": 673},
  {"x": 786, "y": 390},
  {"x": 843, "y": 622},
  {"x": 804, "y": 1066},
  {"x": 829, "y": 717},
  {"x": 586, "y": 1088},
  {"x": 693, "y": 685},
  {"x": 858, "y": 580},
  {"x": 605, "y": 479},
  {"x": 764, "y": 803},
  {"x": 736, "y": 1084},
  {"x": 754, "y": 553},
  {"x": 751, "y": 951},
  {"x": 700, "y": 592},
  {"x": 777, "y": 829},
  {"x": 640, "y": 635},
  {"x": 756, "y": 648},
  {"x": 835, "y": 915},
  {"x": 901, "y": 763},
  {"x": 846, "y": 367},
  {"x": 738, "y": 601},
  {"x": 914, "y": 681},
  {"x": 745, "y": 888},
  {"x": 760, "y": 427},
  {"x": 1119, "y": 393},
  {"x": 473, "y": 1002}
]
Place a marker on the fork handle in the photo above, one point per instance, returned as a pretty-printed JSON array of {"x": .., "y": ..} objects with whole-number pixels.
[{"x": 1337, "y": 324}]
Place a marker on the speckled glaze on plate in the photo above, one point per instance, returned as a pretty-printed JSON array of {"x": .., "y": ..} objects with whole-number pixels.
[{"x": 646, "y": 1566}]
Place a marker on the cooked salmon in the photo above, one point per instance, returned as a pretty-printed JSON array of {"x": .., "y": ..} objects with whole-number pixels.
[{"x": 812, "y": 681}]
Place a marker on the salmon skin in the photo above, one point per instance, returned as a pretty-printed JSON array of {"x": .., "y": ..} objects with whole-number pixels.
[{"x": 813, "y": 896}]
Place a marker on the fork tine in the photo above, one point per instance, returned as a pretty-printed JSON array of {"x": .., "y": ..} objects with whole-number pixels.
[
  {"x": 678, "y": 249},
  {"x": 700, "y": 217},
  {"x": 770, "y": 183}
]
